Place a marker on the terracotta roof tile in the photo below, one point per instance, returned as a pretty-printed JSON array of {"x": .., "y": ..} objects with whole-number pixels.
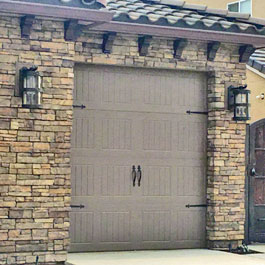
[
  {"x": 173, "y": 2},
  {"x": 257, "y": 60},
  {"x": 238, "y": 15},
  {"x": 215, "y": 11},
  {"x": 259, "y": 21},
  {"x": 195, "y": 7}
]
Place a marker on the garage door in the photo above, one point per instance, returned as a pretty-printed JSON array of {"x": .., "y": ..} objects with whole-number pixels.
[{"x": 135, "y": 125}]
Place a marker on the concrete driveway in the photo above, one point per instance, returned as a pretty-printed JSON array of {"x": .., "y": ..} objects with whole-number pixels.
[{"x": 170, "y": 257}]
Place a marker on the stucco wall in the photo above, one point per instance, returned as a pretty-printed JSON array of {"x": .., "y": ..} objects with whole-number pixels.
[
  {"x": 258, "y": 6},
  {"x": 35, "y": 144}
]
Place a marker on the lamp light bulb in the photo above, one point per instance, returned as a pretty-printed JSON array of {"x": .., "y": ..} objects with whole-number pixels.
[{"x": 261, "y": 96}]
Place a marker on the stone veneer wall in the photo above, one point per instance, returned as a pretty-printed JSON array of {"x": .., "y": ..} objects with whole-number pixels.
[{"x": 35, "y": 144}]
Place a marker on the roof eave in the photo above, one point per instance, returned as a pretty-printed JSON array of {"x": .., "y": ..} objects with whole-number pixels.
[
  {"x": 63, "y": 12},
  {"x": 105, "y": 17},
  {"x": 187, "y": 33}
]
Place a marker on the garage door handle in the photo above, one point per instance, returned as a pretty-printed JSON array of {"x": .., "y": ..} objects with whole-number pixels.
[
  {"x": 253, "y": 172},
  {"x": 139, "y": 175},
  {"x": 133, "y": 175}
]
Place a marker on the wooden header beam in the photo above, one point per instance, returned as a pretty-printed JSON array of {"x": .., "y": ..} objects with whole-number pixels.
[
  {"x": 184, "y": 33},
  {"x": 105, "y": 17}
]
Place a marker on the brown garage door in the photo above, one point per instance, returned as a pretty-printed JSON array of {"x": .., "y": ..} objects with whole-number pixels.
[{"x": 138, "y": 117}]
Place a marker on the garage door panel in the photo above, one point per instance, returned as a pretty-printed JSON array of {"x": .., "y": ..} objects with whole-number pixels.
[
  {"x": 115, "y": 180},
  {"x": 138, "y": 117},
  {"x": 156, "y": 180},
  {"x": 196, "y": 91},
  {"x": 117, "y": 133},
  {"x": 157, "y": 134},
  {"x": 172, "y": 132},
  {"x": 190, "y": 226},
  {"x": 100, "y": 130},
  {"x": 190, "y": 181},
  {"x": 115, "y": 227},
  {"x": 82, "y": 224},
  {"x": 117, "y": 89},
  {"x": 101, "y": 230},
  {"x": 83, "y": 134},
  {"x": 83, "y": 180},
  {"x": 156, "y": 226},
  {"x": 158, "y": 90},
  {"x": 101, "y": 179},
  {"x": 189, "y": 136}
]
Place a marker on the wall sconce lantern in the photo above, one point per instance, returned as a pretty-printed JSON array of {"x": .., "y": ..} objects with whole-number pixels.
[
  {"x": 30, "y": 87},
  {"x": 238, "y": 101}
]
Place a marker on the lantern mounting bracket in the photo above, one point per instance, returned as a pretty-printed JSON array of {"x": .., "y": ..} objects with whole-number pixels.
[
  {"x": 238, "y": 87},
  {"x": 31, "y": 68}
]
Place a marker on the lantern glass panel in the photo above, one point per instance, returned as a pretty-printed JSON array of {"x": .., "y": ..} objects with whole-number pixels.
[
  {"x": 241, "y": 112},
  {"x": 31, "y": 98},
  {"x": 39, "y": 82},
  {"x": 30, "y": 81},
  {"x": 241, "y": 98}
]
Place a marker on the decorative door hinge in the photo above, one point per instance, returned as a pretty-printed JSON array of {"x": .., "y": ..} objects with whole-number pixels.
[
  {"x": 78, "y": 206},
  {"x": 261, "y": 219},
  {"x": 197, "y": 112},
  {"x": 196, "y": 205},
  {"x": 79, "y": 106}
]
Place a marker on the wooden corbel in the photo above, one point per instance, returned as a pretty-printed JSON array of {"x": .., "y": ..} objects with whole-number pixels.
[
  {"x": 72, "y": 30},
  {"x": 212, "y": 49},
  {"x": 143, "y": 44},
  {"x": 178, "y": 47},
  {"x": 245, "y": 52},
  {"x": 26, "y": 23},
  {"x": 108, "y": 39}
]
